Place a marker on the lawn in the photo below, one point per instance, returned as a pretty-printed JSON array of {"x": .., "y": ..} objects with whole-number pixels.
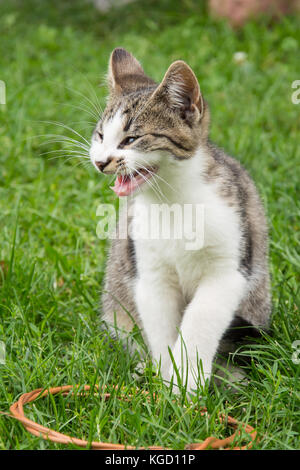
[{"x": 53, "y": 56}]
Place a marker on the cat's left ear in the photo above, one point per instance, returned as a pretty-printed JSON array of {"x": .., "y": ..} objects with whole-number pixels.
[
  {"x": 125, "y": 73},
  {"x": 181, "y": 91}
]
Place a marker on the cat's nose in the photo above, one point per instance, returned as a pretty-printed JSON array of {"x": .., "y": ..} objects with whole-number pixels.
[{"x": 109, "y": 166}]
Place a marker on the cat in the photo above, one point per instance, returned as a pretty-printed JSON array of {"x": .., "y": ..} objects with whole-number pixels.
[{"x": 155, "y": 138}]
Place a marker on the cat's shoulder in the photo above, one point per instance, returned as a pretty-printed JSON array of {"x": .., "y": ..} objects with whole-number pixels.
[{"x": 231, "y": 177}]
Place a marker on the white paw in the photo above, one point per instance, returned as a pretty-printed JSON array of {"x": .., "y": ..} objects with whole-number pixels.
[{"x": 191, "y": 380}]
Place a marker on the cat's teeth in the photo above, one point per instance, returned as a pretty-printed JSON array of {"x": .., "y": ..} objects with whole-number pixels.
[{"x": 127, "y": 184}]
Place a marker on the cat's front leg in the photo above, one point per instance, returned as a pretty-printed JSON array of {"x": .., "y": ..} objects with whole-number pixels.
[
  {"x": 159, "y": 305},
  {"x": 205, "y": 320}
]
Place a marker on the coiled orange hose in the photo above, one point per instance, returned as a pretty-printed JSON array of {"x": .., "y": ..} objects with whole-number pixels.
[{"x": 36, "y": 429}]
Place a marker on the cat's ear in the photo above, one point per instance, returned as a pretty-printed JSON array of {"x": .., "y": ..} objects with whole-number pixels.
[
  {"x": 180, "y": 89},
  {"x": 125, "y": 73}
]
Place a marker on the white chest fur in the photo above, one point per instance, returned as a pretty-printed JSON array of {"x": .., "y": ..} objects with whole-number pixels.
[
  {"x": 208, "y": 239},
  {"x": 195, "y": 291}
]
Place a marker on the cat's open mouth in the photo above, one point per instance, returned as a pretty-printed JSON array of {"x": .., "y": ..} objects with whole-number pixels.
[{"x": 127, "y": 184}]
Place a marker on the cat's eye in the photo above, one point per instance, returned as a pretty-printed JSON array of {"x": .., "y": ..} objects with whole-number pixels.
[
  {"x": 128, "y": 140},
  {"x": 100, "y": 135}
]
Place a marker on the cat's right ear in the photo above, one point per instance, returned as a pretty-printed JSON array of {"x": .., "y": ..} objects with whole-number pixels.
[
  {"x": 180, "y": 91},
  {"x": 125, "y": 73}
]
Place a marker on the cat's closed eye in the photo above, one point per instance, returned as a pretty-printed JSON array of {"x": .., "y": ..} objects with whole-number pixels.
[
  {"x": 127, "y": 141},
  {"x": 100, "y": 136}
]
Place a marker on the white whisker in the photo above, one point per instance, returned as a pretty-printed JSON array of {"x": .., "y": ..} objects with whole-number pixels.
[
  {"x": 84, "y": 109},
  {"x": 150, "y": 184},
  {"x": 76, "y": 152},
  {"x": 66, "y": 140},
  {"x": 94, "y": 107},
  {"x": 64, "y": 126},
  {"x": 155, "y": 175}
]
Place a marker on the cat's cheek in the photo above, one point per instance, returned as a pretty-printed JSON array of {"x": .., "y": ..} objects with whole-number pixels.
[
  {"x": 138, "y": 159},
  {"x": 95, "y": 151}
]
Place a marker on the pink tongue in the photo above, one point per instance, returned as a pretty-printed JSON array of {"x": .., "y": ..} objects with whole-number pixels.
[{"x": 124, "y": 186}]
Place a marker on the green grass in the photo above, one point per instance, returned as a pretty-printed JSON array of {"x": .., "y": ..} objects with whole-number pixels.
[{"x": 53, "y": 262}]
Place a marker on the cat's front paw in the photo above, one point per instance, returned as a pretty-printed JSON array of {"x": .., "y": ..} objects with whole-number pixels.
[{"x": 192, "y": 380}]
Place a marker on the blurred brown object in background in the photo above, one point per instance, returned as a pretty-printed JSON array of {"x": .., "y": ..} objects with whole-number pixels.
[{"x": 239, "y": 11}]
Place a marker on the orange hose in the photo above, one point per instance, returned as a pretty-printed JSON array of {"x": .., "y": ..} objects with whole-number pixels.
[{"x": 17, "y": 411}]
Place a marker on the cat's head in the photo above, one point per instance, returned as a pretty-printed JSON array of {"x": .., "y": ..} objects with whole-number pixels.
[{"x": 146, "y": 126}]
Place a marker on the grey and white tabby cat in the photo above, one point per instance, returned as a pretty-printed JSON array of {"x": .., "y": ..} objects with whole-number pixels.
[{"x": 154, "y": 137}]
